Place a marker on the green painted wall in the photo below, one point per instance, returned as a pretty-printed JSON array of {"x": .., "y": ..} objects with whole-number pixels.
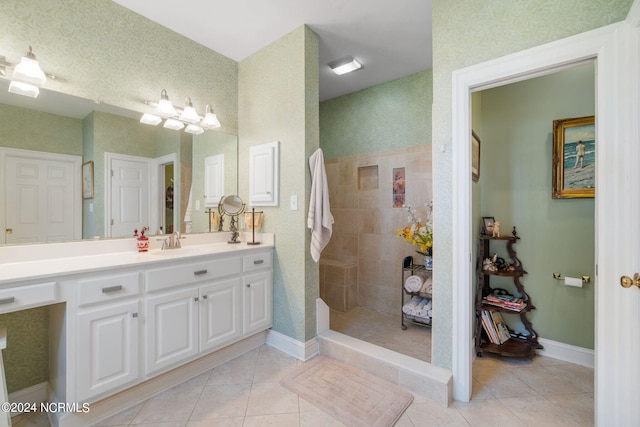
[
  {"x": 278, "y": 101},
  {"x": 388, "y": 116},
  {"x": 467, "y": 32},
  {"x": 557, "y": 234}
]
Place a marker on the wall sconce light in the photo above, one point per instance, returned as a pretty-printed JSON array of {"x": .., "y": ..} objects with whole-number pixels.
[
  {"x": 177, "y": 119},
  {"x": 345, "y": 65},
  {"x": 27, "y": 76}
]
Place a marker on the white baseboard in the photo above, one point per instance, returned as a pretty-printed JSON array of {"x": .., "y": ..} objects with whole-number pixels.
[
  {"x": 36, "y": 394},
  {"x": 567, "y": 352},
  {"x": 297, "y": 349}
]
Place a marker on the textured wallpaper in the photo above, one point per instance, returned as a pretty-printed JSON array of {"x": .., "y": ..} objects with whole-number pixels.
[
  {"x": 278, "y": 101},
  {"x": 392, "y": 115},
  {"x": 467, "y": 32}
]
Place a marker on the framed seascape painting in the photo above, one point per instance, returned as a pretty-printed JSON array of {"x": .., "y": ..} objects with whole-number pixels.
[{"x": 574, "y": 158}]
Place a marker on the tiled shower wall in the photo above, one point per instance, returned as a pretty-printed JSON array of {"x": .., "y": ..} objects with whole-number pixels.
[{"x": 366, "y": 223}]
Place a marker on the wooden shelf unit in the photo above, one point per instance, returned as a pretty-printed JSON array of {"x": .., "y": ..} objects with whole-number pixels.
[{"x": 519, "y": 345}]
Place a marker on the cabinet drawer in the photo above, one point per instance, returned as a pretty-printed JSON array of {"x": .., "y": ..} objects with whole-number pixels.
[
  {"x": 256, "y": 261},
  {"x": 108, "y": 288},
  {"x": 20, "y": 297},
  {"x": 183, "y": 274}
]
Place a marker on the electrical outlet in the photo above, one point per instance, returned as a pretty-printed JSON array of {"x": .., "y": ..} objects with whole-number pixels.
[{"x": 294, "y": 202}]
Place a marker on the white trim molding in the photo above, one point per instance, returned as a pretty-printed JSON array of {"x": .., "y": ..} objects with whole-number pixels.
[
  {"x": 537, "y": 61},
  {"x": 567, "y": 352},
  {"x": 299, "y": 350}
]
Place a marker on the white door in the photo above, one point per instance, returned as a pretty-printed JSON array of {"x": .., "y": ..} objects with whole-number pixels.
[
  {"x": 257, "y": 292},
  {"x": 213, "y": 180},
  {"x": 171, "y": 328},
  {"x": 42, "y": 200},
  {"x": 108, "y": 348},
  {"x": 618, "y": 228},
  {"x": 220, "y": 313},
  {"x": 130, "y": 195}
]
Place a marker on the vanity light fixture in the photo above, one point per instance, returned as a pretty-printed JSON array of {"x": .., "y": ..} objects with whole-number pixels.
[
  {"x": 27, "y": 76},
  {"x": 177, "y": 119},
  {"x": 165, "y": 108},
  {"x": 345, "y": 65},
  {"x": 194, "y": 129},
  {"x": 210, "y": 120},
  {"x": 173, "y": 124},
  {"x": 189, "y": 114}
]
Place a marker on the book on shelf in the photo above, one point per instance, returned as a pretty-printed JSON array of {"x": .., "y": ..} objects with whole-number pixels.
[
  {"x": 508, "y": 302},
  {"x": 501, "y": 327},
  {"x": 489, "y": 327}
]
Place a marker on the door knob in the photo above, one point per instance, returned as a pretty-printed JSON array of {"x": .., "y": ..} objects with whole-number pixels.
[
  {"x": 8, "y": 230},
  {"x": 627, "y": 282}
]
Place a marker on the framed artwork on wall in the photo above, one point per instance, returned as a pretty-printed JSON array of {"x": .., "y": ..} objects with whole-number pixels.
[
  {"x": 87, "y": 180},
  {"x": 475, "y": 156},
  {"x": 574, "y": 158}
]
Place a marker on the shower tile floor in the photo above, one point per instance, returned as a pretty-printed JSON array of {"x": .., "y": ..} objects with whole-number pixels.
[{"x": 383, "y": 329}]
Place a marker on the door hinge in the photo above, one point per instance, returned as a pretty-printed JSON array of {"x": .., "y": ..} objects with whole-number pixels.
[
  {"x": 111, "y": 172},
  {"x": 112, "y": 221}
]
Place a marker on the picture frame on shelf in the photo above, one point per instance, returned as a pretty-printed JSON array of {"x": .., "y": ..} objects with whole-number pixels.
[
  {"x": 487, "y": 225},
  {"x": 574, "y": 157},
  {"x": 87, "y": 180},
  {"x": 475, "y": 156}
]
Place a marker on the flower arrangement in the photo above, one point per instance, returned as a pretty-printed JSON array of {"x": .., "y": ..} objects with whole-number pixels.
[{"x": 417, "y": 232}]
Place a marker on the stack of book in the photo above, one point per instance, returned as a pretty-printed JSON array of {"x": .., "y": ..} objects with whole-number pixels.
[
  {"x": 508, "y": 302},
  {"x": 494, "y": 325}
]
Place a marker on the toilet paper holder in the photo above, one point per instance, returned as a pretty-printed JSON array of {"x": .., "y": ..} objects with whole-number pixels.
[{"x": 585, "y": 278}]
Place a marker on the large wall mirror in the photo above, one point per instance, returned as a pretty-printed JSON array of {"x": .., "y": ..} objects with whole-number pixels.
[{"x": 140, "y": 174}]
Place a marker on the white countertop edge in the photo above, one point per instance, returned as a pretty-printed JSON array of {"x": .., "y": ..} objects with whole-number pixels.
[{"x": 95, "y": 258}]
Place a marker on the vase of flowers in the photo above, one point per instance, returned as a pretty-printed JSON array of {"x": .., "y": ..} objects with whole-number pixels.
[{"x": 420, "y": 233}]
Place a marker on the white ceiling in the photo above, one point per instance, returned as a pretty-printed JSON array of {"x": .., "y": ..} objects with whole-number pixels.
[{"x": 392, "y": 38}]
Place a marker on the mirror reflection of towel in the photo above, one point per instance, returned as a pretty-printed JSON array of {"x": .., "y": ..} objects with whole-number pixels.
[
  {"x": 213, "y": 217},
  {"x": 248, "y": 220}
]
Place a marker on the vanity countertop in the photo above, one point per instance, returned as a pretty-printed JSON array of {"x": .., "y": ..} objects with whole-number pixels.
[{"x": 47, "y": 267}]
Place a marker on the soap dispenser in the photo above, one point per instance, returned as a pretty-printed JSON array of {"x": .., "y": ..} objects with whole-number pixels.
[{"x": 143, "y": 242}]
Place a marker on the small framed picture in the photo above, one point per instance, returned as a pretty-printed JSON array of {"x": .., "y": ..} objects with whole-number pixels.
[
  {"x": 487, "y": 225},
  {"x": 475, "y": 156},
  {"x": 87, "y": 180}
]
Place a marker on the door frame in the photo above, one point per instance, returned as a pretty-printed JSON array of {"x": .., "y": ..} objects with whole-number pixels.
[
  {"x": 161, "y": 162},
  {"x": 152, "y": 190},
  {"x": 534, "y": 62},
  {"x": 43, "y": 155}
]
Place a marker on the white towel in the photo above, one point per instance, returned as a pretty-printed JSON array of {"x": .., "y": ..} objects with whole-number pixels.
[
  {"x": 427, "y": 287},
  {"x": 413, "y": 283},
  {"x": 319, "y": 220}
]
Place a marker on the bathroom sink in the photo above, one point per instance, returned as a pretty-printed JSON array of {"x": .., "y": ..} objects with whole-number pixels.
[{"x": 177, "y": 252}]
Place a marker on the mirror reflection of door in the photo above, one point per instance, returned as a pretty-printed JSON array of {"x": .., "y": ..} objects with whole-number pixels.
[
  {"x": 169, "y": 212},
  {"x": 41, "y": 196},
  {"x": 130, "y": 194}
]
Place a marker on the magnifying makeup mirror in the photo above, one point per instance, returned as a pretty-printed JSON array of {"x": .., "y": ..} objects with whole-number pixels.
[{"x": 232, "y": 206}]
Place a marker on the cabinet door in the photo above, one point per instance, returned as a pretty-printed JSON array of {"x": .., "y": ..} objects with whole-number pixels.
[
  {"x": 263, "y": 174},
  {"x": 107, "y": 348},
  {"x": 220, "y": 313},
  {"x": 258, "y": 302},
  {"x": 171, "y": 328}
]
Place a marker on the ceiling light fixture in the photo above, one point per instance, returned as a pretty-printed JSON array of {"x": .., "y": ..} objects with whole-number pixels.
[
  {"x": 173, "y": 124},
  {"x": 345, "y": 65}
]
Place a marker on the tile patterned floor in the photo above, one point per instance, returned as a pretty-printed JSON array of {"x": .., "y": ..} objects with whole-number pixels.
[{"x": 246, "y": 392}]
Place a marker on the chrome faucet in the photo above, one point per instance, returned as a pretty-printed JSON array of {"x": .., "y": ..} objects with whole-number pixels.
[{"x": 172, "y": 242}]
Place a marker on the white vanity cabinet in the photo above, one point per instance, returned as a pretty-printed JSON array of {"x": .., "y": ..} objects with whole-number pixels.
[
  {"x": 257, "y": 292},
  {"x": 108, "y": 331}
]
